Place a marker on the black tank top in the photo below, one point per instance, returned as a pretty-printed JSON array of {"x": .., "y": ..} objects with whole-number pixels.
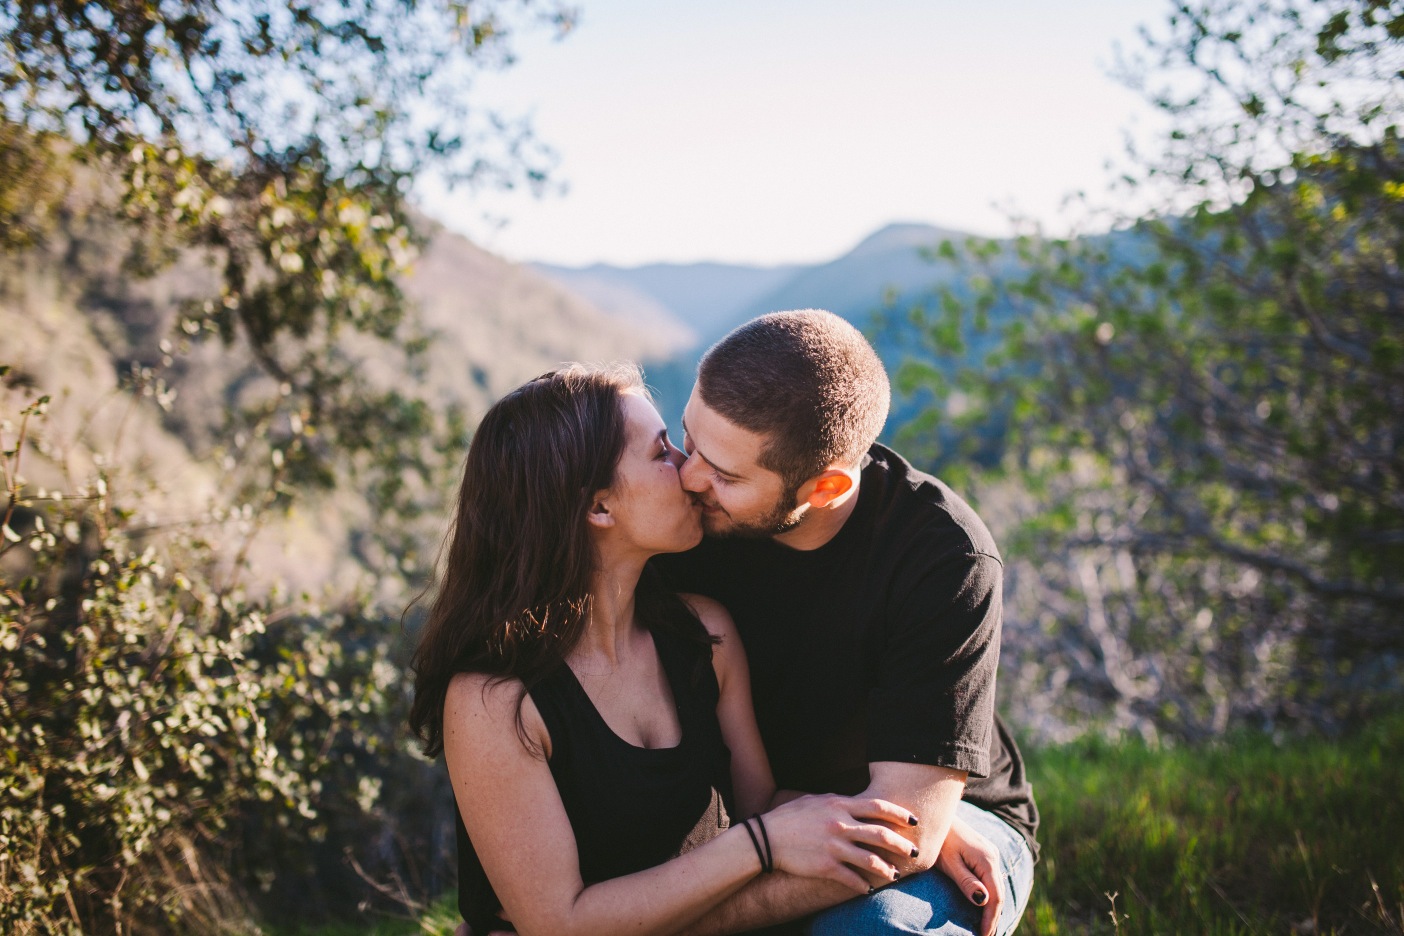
[{"x": 630, "y": 808}]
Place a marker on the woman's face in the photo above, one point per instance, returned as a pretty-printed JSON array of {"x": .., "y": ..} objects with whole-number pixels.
[{"x": 651, "y": 510}]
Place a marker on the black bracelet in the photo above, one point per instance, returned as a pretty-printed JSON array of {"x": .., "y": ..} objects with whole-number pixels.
[
  {"x": 769, "y": 856},
  {"x": 746, "y": 824}
]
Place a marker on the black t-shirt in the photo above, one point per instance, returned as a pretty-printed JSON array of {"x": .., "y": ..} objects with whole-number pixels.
[{"x": 880, "y": 645}]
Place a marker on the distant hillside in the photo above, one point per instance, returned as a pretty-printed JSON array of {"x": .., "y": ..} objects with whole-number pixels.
[
  {"x": 500, "y": 323},
  {"x": 700, "y": 300},
  {"x": 624, "y": 302},
  {"x": 76, "y": 321},
  {"x": 888, "y": 263}
]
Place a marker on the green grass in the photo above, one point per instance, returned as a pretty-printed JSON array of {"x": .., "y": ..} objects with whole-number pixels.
[
  {"x": 441, "y": 919},
  {"x": 1240, "y": 837}
]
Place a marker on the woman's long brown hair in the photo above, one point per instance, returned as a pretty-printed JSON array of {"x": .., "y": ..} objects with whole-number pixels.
[{"x": 513, "y": 596}]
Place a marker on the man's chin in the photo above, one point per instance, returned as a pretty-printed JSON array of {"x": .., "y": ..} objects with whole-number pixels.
[
  {"x": 718, "y": 526},
  {"x": 721, "y": 526}
]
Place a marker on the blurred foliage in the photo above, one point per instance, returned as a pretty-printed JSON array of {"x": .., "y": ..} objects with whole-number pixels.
[
  {"x": 31, "y": 185},
  {"x": 178, "y": 753},
  {"x": 1199, "y": 413}
]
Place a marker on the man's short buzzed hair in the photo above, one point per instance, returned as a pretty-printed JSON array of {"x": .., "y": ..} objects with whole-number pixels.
[{"x": 807, "y": 380}]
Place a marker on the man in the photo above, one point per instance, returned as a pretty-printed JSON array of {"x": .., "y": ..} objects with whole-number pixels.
[{"x": 868, "y": 598}]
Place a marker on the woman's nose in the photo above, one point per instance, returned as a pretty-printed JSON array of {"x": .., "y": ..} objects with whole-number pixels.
[{"x": 689, "y": 474}]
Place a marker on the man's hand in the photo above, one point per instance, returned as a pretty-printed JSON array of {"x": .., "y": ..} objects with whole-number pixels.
[{"x": 968, "y": 859}]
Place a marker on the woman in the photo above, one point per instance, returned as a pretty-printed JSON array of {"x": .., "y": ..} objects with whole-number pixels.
[{"x": 598, "y": 728}]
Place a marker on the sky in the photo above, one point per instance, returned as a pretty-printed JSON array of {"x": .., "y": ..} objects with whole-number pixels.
[{"x": 785, "y": 131}]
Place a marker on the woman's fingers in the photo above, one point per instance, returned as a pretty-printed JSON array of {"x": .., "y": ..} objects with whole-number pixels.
[
  {"x": 850, "y": 878},
  {"x": 819, "y": 836},
  {"x": 979, "y": 895},
  {"x": 883, "y": 839},
  {"x": 879, "y": 810},
  {"x": 877, "y": 871},
  {"x": 973, "y": 864},
  {"x": 971, "y": 887}
]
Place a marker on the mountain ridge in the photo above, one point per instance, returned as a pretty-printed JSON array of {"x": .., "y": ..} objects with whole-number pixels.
[{"x": 711, "y": 298}]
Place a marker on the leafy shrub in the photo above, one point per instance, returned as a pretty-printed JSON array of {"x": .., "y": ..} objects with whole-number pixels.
[{"x": 170, "y": 747}]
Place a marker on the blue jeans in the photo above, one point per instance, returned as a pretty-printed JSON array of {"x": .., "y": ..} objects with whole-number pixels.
[{"x": 930, "y": 902}]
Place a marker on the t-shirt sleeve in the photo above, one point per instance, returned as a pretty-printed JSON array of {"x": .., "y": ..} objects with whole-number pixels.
[{"x": 933, "y": 694}]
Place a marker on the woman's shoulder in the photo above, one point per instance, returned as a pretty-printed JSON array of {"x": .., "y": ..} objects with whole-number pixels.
[
  {"x": 712, "y": 614},
  {"x": 492, "y": 691},
  {"x": 728, "y": 656},
  {"x": 483, "y": 706}
]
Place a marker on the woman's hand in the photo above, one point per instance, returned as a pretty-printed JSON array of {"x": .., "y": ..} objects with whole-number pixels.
[
  {"x": 968, "y": 859},
  {"x": 839, "y": 838}
]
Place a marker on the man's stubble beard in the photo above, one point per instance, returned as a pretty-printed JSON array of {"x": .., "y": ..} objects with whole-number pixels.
[{"x": 783, "y": 517}]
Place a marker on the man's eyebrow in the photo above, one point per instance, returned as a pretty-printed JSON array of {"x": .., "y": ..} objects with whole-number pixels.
[{"x": 698, "y": 452}]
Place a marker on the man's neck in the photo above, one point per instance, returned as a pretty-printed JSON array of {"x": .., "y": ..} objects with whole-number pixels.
[{"x": 821, "y": 526}]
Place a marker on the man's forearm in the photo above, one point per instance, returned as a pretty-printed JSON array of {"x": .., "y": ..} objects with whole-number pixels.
[{"x": 767, "y": 900}]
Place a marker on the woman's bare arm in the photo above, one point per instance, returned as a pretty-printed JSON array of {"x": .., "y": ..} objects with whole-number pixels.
[{"x": 752, "y": 782}]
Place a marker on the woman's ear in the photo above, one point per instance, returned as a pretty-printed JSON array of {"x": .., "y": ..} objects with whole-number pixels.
[{"x": 599, "y": 516}]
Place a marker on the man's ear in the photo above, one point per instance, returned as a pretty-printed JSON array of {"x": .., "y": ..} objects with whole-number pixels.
[
  {"x": 826, "y": 487},
  {"x": 598, "y": 515}
]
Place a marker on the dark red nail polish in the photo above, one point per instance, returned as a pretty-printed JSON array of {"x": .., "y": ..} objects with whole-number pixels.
[
  {"x": 911, "y": 820},
  {"x": 979, "y": 898},
  {"x": 896, "y": 874},
  {"x": 915, "y": 851}
]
